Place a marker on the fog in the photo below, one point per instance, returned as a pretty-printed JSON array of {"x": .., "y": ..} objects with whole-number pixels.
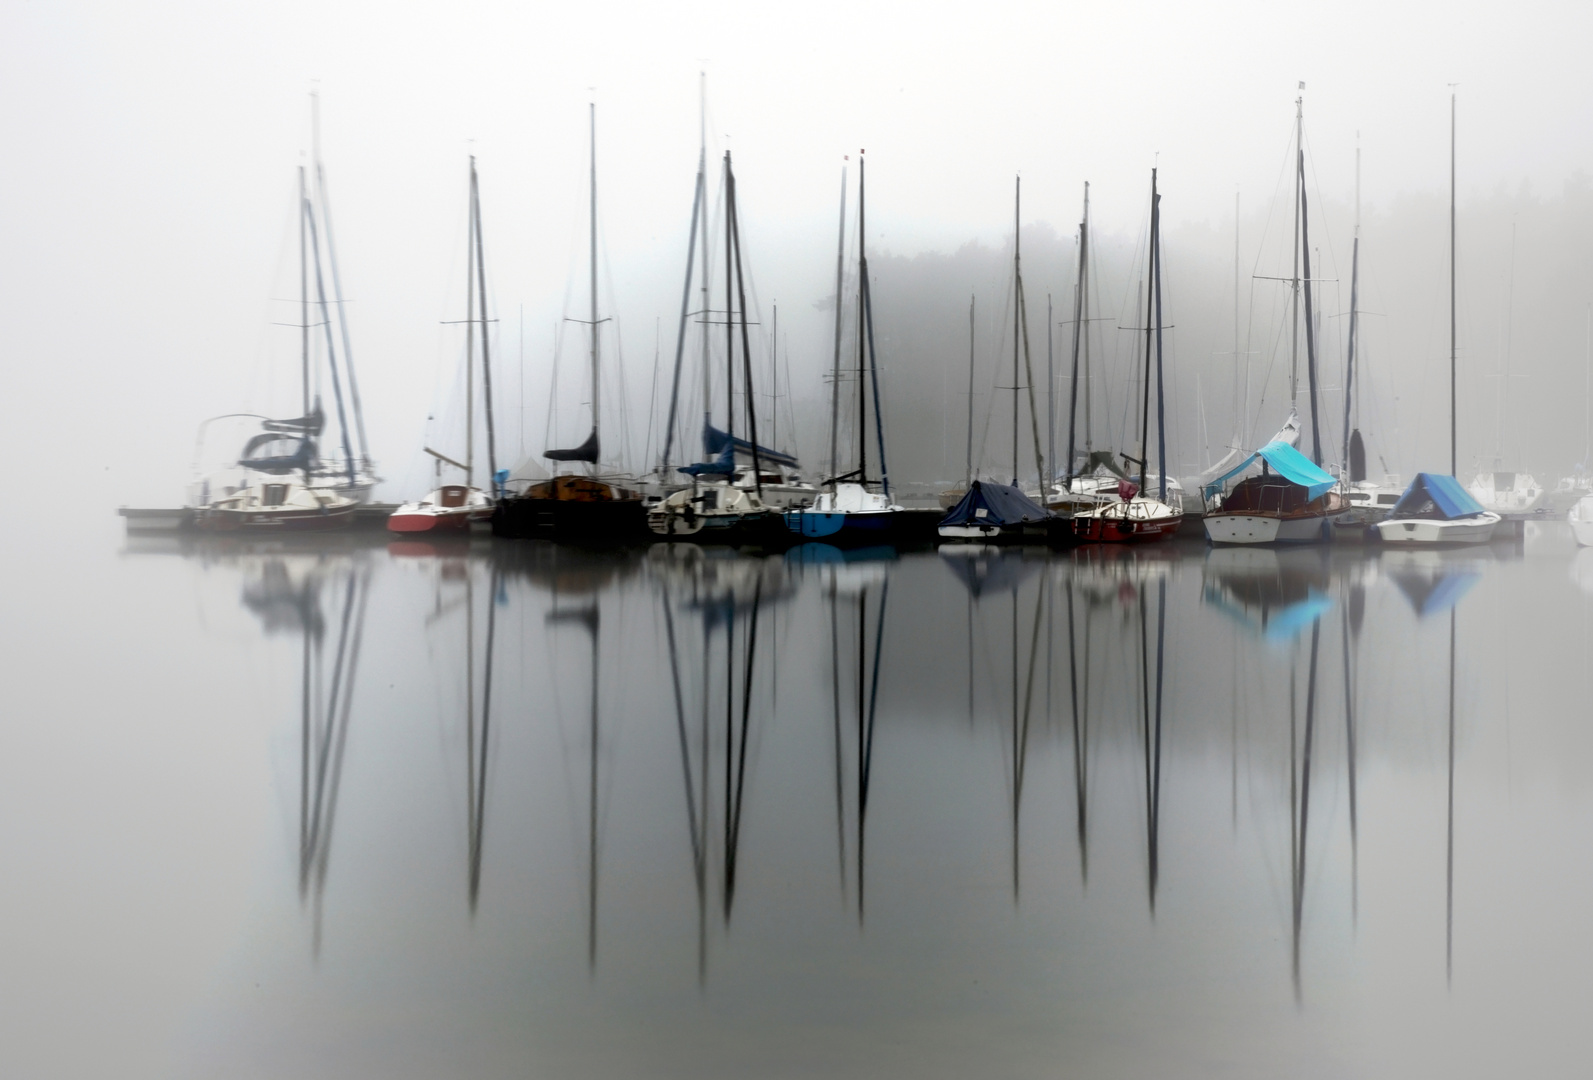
[{"x": 149, "y": 231}]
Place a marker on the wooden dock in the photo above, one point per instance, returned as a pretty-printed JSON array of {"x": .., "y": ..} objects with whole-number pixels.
[{"x": 181, "y": 519}]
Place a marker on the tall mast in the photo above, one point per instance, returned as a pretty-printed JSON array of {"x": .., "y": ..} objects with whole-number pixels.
[
  {"x": 304, "y": 302},
  {"x": 1310, "y": 322},
  {"x": 596, "y": 337},
  {"x": 1150, "y": 284},
  {"x": 337, "y": 284},
  {"x": 698, "y": 209},
  {"x": 1238, "y": 412},
  {"x": 1294, "y": 301},
  {"x": 1355, "y": 274},
  {"x": 331, "y": 353},
  {"x": 486, "y": 353},
  {"x": 968, "y": 468},
  {"x": 867, "y": 311},
  {"x": 470, "y": 335},
  {"x": 748, "y": 397},
  {"x": 730, "y": 323},
  {"x": 835, "y": 373},
  {"x": 1453, "y": 467},
  {"x": 1017, "y": 278},
  {"x": 1078, "y": 324},
  {"x": 862, "y": 287},
  {"x": 774, "y": 380},
  {"x": 1161, "y": 395},
  {"x": 1050, "y": 395},
  {"x": 707, "y": 317}
]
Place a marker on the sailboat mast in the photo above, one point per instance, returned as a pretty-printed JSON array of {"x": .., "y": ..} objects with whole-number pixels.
[
  {"x": 596, "y": 336},
  {"x": 748, "y": 397},
  {"x": 1310, "y": 322},
  {"x": 1294, "y": 300},
  {"x": 1150, "y": 284},
  {"x": 470, "y": 335},
  {"x": 730, "y": 323},
  {"x": 835, "y": 373},
  {"x": 1017, "y": 279},
  {"x": 1453, "y": 467},
  {"x": 1050, "y": 395},
  {"x": 697, "y": 200},
  {"x": 304, "y": 301},
  {"x": 1161, "y": 394},
  {"x": 486, "y": 354},
  {"x": 862, "y": 287},
  {"x": 1240, "y": 409},
  {"x": 774, "y": 380},
  {"x": 968, "y": 467},
  {"x": 1078, "y": 324},
  {"x": 337, "y": 283},
  {"x": 1355, "y": 274},
  {"x": 707, "y": 317}
]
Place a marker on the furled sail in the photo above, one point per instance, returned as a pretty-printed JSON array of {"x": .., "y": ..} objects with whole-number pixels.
[
  {"x": 587, "y": 451},
  {"x": 309, "y": 425},
  {"x": 713, "y": 442}
]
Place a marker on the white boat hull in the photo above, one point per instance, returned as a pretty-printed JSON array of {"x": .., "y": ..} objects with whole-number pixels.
[
  {"x": 1581, "y": 520},
  {"x": 1263, "y": 529},
  {"x": 1427, "y": 532}
]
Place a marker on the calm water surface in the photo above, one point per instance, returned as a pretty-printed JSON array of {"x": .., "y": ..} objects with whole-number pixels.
[{"x": 352, "y": 809}]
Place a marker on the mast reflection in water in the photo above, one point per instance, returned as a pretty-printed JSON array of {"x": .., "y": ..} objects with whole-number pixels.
[{"x": 859, "y": 804}]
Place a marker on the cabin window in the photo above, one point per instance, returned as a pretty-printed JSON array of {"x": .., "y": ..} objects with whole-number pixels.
[{"x": 274, "y": 494}]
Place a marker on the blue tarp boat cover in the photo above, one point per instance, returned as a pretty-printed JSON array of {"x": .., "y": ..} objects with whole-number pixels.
[
  {"x": 1287, "y": 462},
  {"x": 1002, "y": 504},
  {"x": 1438, "y": 492},
  {"x": 713, "y": 442}
]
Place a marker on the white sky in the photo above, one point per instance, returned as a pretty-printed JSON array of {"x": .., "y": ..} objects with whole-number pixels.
[{"x": 146, "y": 183}]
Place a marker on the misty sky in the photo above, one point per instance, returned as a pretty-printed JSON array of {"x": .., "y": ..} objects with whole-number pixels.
[{"x": 146, "y": 193}]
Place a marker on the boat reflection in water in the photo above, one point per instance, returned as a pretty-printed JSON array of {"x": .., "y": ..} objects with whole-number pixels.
[{"x": 826, "y": 792}]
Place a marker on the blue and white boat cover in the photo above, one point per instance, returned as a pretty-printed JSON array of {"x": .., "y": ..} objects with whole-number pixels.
[
  {"x": 1287, "y": 462},
  {"x": 994, "y": 504},
  {"x": 1436, "y": 495}
]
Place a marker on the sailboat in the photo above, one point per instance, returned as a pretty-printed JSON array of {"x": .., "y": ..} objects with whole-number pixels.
[
  {"x": 1435, "y": 509},
  {"x": 1369, "y": 501},
  {"x": 849, "y": 512},
  {"x": 1498, "y": 490},
  {"x": 1293, "y": 497},
  {"x": 280, "y": 479},
  {"x": 578, "y": 506},
  {"x": 456, "y": 506},
  {"x": 715, "y": 507},
  {"x": 1136, "y": 517}
]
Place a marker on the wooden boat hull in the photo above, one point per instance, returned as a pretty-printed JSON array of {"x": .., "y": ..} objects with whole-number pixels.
[
  {"x": 612, "y": 521},
  {"x": 1427, "y": 532}
]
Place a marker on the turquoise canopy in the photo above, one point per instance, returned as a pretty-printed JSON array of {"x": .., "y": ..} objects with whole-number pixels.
[{"x": 1287, "y": 462}]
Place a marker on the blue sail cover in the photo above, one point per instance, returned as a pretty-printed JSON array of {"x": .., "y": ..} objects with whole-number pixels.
[
  {"x": 1002, "y": 504},
  {"x": 1287, "y": 462},
  {"x": 713, "y": 442},
  {"x": 723, "y": 465},
  {"x": 1436, "y": 491}
]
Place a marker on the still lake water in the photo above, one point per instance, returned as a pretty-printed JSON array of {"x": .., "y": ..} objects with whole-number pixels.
[{"x": 341, "y": 808}]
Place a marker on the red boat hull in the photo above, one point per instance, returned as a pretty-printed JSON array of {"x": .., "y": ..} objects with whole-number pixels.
[
  {"x": 457, "y": 521},
  {"x": 1111, "y": 530}
]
